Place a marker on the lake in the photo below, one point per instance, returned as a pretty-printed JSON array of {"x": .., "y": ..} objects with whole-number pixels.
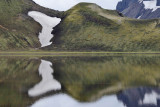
[{"x": 80, "y": 81}]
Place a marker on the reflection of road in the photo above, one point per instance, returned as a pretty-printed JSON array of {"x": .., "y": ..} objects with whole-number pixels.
[
  {"x": 63, "y": 100},
  {"x": 48, "y": 83}
]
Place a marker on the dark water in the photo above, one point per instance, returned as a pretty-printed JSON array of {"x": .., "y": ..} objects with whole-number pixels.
[{"x": 104, "y": 81}]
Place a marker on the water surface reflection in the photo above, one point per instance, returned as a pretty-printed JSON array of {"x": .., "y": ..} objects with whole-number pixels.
[
  {"x": 134, "y": 97},
  {"x": 114, "y": 81},
  {"x": 61, "y": 99},
  {"x": 48, "y": 83},
  {"x": 140, "y": 97}
]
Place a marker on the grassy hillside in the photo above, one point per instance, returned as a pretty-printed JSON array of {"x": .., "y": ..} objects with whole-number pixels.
[
  {"x": 88, "y": 27},
  {"x": 85, "y": 27},
  {"x": 17, "y": 30}
]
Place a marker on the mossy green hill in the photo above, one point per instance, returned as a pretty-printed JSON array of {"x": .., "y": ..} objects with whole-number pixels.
[
  {"x": 88, "y": 27},
  {"x": 84, "y": 27},
  {"x": 17, "y": 30}
]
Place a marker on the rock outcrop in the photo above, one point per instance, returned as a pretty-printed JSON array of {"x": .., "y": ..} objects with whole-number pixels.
[{"x": 140, "y": 9}]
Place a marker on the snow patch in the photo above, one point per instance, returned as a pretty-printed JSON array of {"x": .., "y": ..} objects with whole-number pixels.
[
  {"x": 151, "y": 5},
  {"x": 139, "y": 17},
  {"x": 47, "y": 23}
]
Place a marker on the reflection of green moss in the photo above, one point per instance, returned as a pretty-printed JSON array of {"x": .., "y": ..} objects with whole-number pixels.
[
  {"x": 16, "y": 76},
  {"x": 83, "y": 78},
  {"x": 88, "y": 78}
]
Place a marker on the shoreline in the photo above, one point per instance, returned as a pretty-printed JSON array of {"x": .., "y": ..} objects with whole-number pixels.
[{"x": 72, "y": 53}]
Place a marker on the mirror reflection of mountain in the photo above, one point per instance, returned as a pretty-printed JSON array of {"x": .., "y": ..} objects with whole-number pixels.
[
  {"x": 134, "y": 97},
  {"x": 89, "y": 78},
  {"x": 140, "y": 97},
  {"x": 17, "y": 74},
  {"x": 61, "y": 99},
  {"x": 48, "y": 83},
  {"x": 83, "y": 80}
]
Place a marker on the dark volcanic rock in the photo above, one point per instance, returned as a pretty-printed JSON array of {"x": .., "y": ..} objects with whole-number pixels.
[
  {"x": 136, "y": 9},
  {"x": 158, "y": 2},
  {"x": 124, "y": 4}
]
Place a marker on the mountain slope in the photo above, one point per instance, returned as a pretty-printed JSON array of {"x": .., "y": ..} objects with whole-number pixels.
[
  {"x": 85, "y": 27},
  {"x": 88, "y": 27},
  {"x": 17, "y": 30},
  {"x": 141, "y": 9}
]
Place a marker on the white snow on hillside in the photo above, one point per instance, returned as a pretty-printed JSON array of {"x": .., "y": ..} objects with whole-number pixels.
[
  {"x": 47, "y": 23},
  {"x": 151, "y": 5}
]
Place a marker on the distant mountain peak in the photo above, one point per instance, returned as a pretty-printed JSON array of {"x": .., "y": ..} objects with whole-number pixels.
[
  {"x": 140, "y": 9},
  {"x": 152, "y": 4}
]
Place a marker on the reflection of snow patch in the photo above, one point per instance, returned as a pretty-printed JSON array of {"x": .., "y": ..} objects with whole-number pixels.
[
  {"x": 47, "y": 23},
  {"x": 150, "y": 98},
  {"x": 48, "y": 83},
  {"x": 63, "y": 100}
]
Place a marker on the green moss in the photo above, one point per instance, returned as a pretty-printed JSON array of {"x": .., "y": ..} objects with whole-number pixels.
[
  {"x": 88, "y": 27},
  {"x": 17, "y": 30}
]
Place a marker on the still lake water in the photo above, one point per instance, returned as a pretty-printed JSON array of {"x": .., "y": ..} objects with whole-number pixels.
[{"x": 104, "y": 81}]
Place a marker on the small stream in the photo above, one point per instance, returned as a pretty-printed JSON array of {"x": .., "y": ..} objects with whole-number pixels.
[{"x": 47, "y": 24}]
